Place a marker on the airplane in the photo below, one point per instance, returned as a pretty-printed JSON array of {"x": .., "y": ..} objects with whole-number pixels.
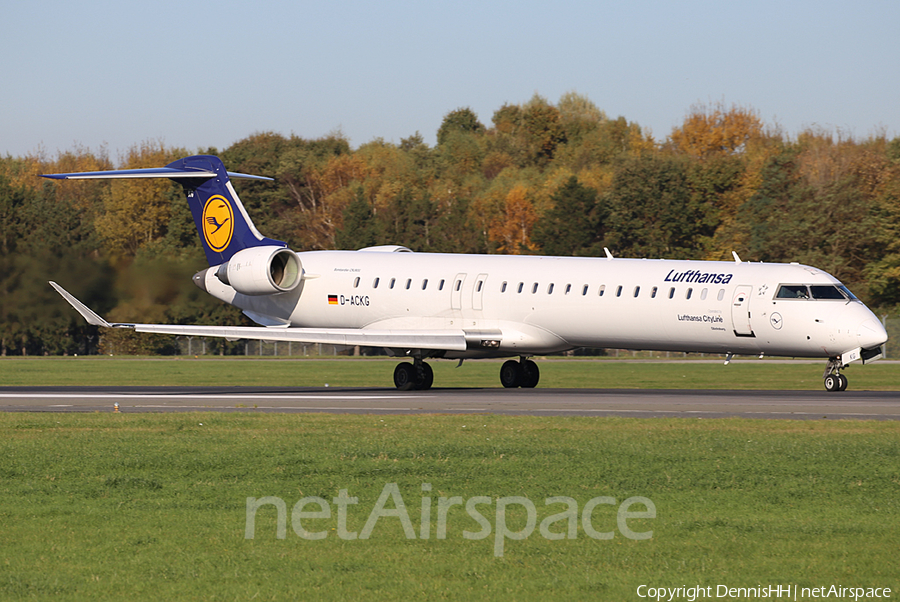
[{"x": 424, "y": 306}]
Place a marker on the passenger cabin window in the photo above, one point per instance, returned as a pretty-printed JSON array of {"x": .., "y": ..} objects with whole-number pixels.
[
  {"x": 690, "y": 292},
  {"x": 637, "y": 291},
  {"x": 601, "y": 290},
  {"x": 672, "y": 293},
  {"x": 568, "y": 288},
  {"x": 503, "y": 287},
  {"x": 521, "y": 286},
  {"x": 424, "y": 284},
  {"x": 534, "y": 288},
  {"x": 703, "y": 294},
  {"x": 458, "y": 284},
  {"x": 550, "y": 289},
  {"x": 393, "y": 280},
  {"x": 408, "y": 283},
  {"x": 441, "y": 285},
  {"x": 478, "y": 287},
  {"x": 375, "y": 284},
  {"x": 356, "y": 282},
  {"x": 619, "y": 291},
  {"x": 721, "y": 294},
  {"x": 584, "y": 290},
  {"x": 653, "y": 292}
]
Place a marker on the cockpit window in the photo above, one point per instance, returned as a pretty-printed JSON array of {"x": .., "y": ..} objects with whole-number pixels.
[
  {"x": 823, "y": 292},
  {"x": 847, "y": 292},
  {"x": 826, "y": 291},
  {"x": 792, "y": 291}
]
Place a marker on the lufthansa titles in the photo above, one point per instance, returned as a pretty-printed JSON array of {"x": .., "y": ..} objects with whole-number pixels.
[{"x": 698, "y": 277}]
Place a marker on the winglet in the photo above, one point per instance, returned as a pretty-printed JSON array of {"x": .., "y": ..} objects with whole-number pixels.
[{"x": 86, "y": 312}]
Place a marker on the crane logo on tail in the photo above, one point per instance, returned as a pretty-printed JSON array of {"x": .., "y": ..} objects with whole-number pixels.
[{"x": 218, "y": 223}]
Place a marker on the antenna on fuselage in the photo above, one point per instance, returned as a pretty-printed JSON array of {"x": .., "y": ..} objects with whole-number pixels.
[
  {"x": 736, "y": 258},
  {"x": 608, "y": 254}
]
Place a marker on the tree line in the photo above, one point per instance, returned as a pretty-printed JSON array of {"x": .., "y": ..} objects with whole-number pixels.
[{"x": 560, "y": 179}]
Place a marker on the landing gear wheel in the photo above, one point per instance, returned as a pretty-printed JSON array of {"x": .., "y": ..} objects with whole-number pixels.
[
  {"x": 530, "y": 374},
  {"x": 424, "y": 377},
  {"x": 511, "y": 374},
  {"x": 843, "y": 385},
  {"x": 404, "y": 376},
  {"x": 834, "y": 380}
]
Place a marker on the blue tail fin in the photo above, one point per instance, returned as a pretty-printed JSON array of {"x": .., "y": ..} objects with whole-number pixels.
[{"x": 222, "y": 222}]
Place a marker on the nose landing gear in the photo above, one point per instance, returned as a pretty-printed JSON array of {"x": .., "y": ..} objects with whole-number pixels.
[{"x": 834, "y": 380}]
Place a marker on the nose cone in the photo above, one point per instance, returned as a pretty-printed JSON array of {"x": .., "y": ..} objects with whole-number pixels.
[{"x": 871, "y": 334}]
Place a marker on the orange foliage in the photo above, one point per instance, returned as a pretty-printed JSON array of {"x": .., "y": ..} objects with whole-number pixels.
[
  {"x": 714, "y": 130},
  {"x": 512, "y": 228}
]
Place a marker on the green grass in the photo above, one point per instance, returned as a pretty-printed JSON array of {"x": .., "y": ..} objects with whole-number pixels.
[
  {"x": 359, "y": 372},
  {"x": 124, "y": 506}
]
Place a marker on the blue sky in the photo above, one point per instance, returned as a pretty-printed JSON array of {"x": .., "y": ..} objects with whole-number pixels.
[{"x": 201, "y": 74}]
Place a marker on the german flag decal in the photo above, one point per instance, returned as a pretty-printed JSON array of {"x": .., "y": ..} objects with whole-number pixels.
[{"x": 332, "y": 300}]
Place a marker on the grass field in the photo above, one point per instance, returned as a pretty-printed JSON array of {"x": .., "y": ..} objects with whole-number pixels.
[
  {"x": 356, "y": 372},
  {"x": 125, "y": 506},
  {"x": 154, "y": 506}
]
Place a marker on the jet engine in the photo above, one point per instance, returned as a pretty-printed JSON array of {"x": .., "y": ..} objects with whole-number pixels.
[{"x": 262, "y": 271}]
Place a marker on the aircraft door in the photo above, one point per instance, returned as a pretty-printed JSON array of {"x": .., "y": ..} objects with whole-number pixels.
[
  {"x": 478, "y": 292},
  {"x": 456, "y": 291},
  {"x": 740, "y": 311}
]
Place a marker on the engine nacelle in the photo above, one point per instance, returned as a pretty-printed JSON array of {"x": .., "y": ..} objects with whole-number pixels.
[{"x": 262, "y": 271}]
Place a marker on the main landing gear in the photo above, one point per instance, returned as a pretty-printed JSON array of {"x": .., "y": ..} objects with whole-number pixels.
[
  {"x": 418, "y": 376},
  {"x": 415, "y": 376},
  {"x": 524, "y": 373},
  {"x": 834, "y": 380}
]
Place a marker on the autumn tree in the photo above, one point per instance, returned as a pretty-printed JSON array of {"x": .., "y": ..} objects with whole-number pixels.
[
  {"x": 462, "y": 120},
  {"x": 512, "y": 229},
  {"x": 578, "y": 116},
  {"x": 137, "y": 212},
  {"x": 815, "y": 207},
  {"x": 601, "y": 145},
  {"x": 46, "y": 238},
  {"x": 716, "y": 130},
  {"x": 543, "y": 129},
  {"x": 576, "y": 223},
  {"x": 883, "y": 271},
  {"x": 358, "y": 229},
  {"x": 653, "y": 212},
  {"x": 528, "y": 134}
]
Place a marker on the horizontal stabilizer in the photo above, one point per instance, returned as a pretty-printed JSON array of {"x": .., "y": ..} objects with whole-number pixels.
[{"x": 152, "y": 172}]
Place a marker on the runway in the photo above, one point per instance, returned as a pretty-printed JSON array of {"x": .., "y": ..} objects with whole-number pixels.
[{"x": 861, "y": 405}]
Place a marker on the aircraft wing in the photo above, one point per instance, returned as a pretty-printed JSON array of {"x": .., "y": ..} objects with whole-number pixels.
[{"x": 450, "y": 340}]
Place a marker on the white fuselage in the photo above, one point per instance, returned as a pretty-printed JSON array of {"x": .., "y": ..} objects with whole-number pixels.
[{"x": 535, "y": 305}]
